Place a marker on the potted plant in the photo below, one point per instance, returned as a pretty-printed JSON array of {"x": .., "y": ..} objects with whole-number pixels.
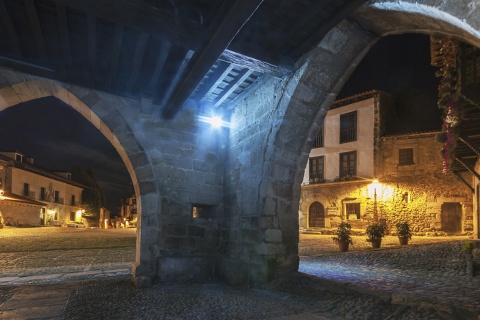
[
  {"x": 403, "y": 232},
  {"x": 375, "y": 232},
  {"x": 343, "y": 237}
]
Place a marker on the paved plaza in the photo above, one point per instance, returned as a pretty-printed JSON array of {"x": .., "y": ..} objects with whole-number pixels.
[{"x": 424, "y": 280}]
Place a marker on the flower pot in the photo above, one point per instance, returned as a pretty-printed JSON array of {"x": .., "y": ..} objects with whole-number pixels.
[
  {"x": 343, "y": 245},
  {"x": 403, "y": 241},
  {"x": 376, "y": 243}
]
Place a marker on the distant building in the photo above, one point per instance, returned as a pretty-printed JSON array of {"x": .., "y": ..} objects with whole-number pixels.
[
  {"x": 358, "y": 174},
  {"x": 128, "y": 210},
  {"x": 35, "y": 196},
  {"x": 105, "y": 219}
]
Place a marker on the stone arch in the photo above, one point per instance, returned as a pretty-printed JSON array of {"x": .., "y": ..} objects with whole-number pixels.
[
  {"x": 300, "y": 100},
  {"x": 16, "y": 88}
]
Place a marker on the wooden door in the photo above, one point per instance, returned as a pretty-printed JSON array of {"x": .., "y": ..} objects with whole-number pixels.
[
  {"x": 452, "y": 217},
  {"x": 316, "y": 215}
]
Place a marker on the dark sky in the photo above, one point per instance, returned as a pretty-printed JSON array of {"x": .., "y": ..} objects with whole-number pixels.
[
  {"x": 58, "y": 137},
  {"x": 400, "y": 65}
]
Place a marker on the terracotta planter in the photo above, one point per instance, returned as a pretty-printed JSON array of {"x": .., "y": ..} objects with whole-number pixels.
[
  {"x": 343, "y": 245},
  {"x": 376, "y": 243},
  {"x": 403, "y": 241}
]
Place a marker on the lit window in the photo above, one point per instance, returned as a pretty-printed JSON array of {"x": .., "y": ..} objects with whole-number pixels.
[{"x": 352, "y": 210}]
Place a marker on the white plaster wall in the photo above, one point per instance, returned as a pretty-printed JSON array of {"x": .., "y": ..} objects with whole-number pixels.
[
  {"x": 332, "y": 147},
  {"x": 19, "y": 177}
]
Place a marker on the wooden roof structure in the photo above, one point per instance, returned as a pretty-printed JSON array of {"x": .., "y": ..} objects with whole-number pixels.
[{"x": 163, "y": 51}]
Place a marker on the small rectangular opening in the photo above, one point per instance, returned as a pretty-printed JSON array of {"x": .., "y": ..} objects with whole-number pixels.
[{"x": 202, "y": 211}]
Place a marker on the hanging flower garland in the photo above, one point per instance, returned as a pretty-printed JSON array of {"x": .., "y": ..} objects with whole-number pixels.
[{"x": 449, "y": 95}]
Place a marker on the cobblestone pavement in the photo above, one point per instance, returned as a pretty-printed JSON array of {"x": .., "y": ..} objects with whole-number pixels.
[
  {"x": 424, "y": 280},
  {"x": 428, "y": 274}
]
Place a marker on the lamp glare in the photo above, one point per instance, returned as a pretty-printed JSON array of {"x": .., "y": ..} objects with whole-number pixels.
[{"x": 216, "y": 122}]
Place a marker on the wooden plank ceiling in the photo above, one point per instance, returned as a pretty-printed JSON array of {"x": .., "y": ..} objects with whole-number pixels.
[{"x": 164, "y": 52}]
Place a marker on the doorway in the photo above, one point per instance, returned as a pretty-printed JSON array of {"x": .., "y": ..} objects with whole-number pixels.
[
  {"x": 451, "y": 217},
  {"x": 316, "y": 215}
]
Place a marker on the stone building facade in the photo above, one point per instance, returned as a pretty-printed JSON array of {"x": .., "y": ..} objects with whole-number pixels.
[
  {"x": 35, "y": 196},
  {"x": 405, "y": 183}
]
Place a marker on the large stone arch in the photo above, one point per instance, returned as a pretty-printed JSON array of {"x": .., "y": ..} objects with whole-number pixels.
[
  {"x": 277, "y": 122},
  {"x": 102, "y": 111}
]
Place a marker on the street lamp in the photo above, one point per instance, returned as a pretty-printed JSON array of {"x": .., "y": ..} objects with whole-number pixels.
[{"x": 373, "y": 187}]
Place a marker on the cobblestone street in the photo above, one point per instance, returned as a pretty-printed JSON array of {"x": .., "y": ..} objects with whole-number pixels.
[{"x": 424, "y": 280}]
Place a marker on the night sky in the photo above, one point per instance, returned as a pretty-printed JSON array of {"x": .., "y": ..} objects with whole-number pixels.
[
  {"x": 58, "y": 137},
  {"x": 400, "y": 65}
]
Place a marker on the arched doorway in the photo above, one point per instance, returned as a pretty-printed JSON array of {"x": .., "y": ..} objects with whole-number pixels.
[
  {"x": 451, "y": 217},
  {"x": 316, "y": 215}
]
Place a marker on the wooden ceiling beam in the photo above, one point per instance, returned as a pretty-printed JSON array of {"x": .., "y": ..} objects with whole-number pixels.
[
  {"x": 229, "y": 20},
  {"x": 12, "y": 34},
  {"x": 244, "y": 74},
  {"x": 181, "y": 32},
  {"x": 137, "y": 59},
  {"x": 64, "y": 37},
  {"x": 254, "y": 64},
  {"x": 162, "y": 57},
  {"x": 214, "y": 80},
  {"x": 117, "y": 44},
  {"x": 459, "y": 177},
  {"x": 36, "y": 29},
  {"x": 92, "y": 45},
  {"x": 469, "y": 169}
]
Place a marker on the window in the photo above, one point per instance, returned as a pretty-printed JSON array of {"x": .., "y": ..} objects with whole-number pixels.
[
  {"x": 348, "y": 127},
  {"x": 42, "y": 193},
  {"x": 352, "y": 210},
  {"x": 18, "y": 157},
  {"x": 73, "y": 200},
  {"x": 316, "y": 168},
  {"x": 57, "y": 196},
  {"x": 348, "y": 164},
  {"x": 26, "y": 189},
  {"x": 202, "y": 211},
  {"x": 405, "y": 156},
  {"x": 318, "y": 143}
]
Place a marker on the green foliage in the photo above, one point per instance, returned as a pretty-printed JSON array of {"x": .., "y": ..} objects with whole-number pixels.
[
  {"x": 403, "y": 230},
  {"x": 343, "y": 233},
  {"x": 92, "y": 196},
  {"x": 375, "y": 231},
  {"x": 468, "y": 247}
]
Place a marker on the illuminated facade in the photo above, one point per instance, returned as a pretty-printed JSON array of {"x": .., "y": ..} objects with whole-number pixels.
[
  {"x": 373, "y": 177},
  {"x": 128, "y": 210},
  {"x": 35, "y": 196}
]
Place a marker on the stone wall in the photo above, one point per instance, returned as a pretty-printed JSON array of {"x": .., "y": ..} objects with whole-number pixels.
[{"x": 20, "y": 214}]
